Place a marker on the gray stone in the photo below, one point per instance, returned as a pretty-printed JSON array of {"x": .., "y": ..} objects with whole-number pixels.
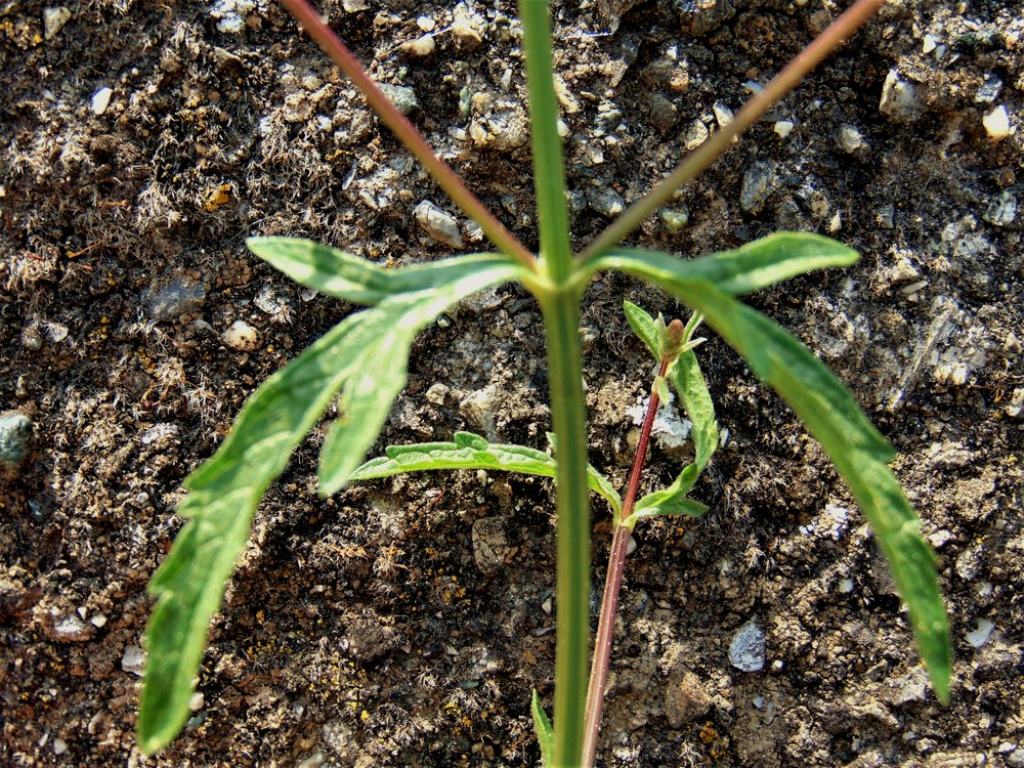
[
  {"x": 133, "y": 660},
  {"x": 989, "y": 90},
  {"x": 176, "y": 298},
  {"x": 15, "y": 437},
  {"x": 439, "y": 224},
  {"x": 1002, "y": 211},
  {"x": 606, "y": 201},
  {"x": 663, "y": 113},
  {"x": 747, "y": 649},
  {"x": 758, "y": 184},
  {"x": 900, "y": 102},
  {"x": 403, "y": 96}
]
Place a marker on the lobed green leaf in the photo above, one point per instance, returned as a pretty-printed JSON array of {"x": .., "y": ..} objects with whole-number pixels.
[
  {"x": 365, "y": 357},
  {"x": 470, "y": 451},
  {"x": 751, "y": 267},
  {"x": 831, "y": 414}
]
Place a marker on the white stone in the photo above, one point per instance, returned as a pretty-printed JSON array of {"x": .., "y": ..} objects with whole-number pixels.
[
  {"x": 100, "y": 100},
  {"x": 54, "y": 20},
  {"x": 439, "y": 224},
  {"x": 997, "y": 123},
  {"x": 133, "y": 660},
  {"x": 851, "y": 140},
  {"x": 241, "y": 336},
  {"x": 900, "y": 101},
  {"x": 747, "y": 650},
  {"x": 784, "y": 127},
  {"x": 980, "y": 635}
]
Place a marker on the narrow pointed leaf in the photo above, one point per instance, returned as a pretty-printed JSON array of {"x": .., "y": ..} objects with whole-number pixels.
[
  {"x": 749, "y": 268},
  {"x": 644, "y": 327},
  {"x": 856, "y": 448},
  {"x": 545, "y": 734},
  {"x": 222, "y": 496},
  {"x": 470, "y": 451},
  {"x": 379, "y": 371},
  {"x": 365, "y": 357},
  {"x": 336, "y": 273}
]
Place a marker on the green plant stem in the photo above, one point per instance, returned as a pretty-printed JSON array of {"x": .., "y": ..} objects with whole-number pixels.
[
  {"x": 722, "y": 140},
  {"x": 561, "y": 320},
  {"x": 613, "y": 586},
  {"x": 548, "y": 165},
  {"x": 407, "y": 133}
]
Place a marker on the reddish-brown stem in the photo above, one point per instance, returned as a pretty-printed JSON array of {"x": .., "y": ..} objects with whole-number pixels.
[
  {"x": 613, "y": 585},
  {"x": 713, "y": 148},
  {"x": 407, "y": 133}
]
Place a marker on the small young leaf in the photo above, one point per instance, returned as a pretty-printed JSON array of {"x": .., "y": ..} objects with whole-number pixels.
[
  {"x": 749, "y": 268},
  {"x": 471, "y": 451},
  {"x": 545, "y": 734},
  {"x": 644, "y": 327},
  {"x": 856, "y": 448},
  {"x": 688, "y": 381},
  {"x": 366, "y": 356}
]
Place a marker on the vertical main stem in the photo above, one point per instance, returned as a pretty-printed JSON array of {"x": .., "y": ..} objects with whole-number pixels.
[
  {"x": 561, "y": 319},
  {"x": 548, "y": 166},
  {"x": 612, "y": 587}
]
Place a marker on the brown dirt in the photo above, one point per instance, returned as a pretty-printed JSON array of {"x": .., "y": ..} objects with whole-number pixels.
[{"x": 363, "y": 630}]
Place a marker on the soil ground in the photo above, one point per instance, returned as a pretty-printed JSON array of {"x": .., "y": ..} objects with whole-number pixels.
[{"x": 366, "y": 629}]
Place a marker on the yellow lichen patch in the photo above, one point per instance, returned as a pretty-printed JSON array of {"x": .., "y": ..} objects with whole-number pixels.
[{"x": 217, "y": 198}]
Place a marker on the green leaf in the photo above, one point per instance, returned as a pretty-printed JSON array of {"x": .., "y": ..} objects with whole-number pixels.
[
  {"x": 644, "y": 327},
  {"x": 856, "y": 448},
  {"x": 379, "y": 370},
  {"x": 470, "y": 451},
  {"x": 365, "y": 357},
  {"x": 688, "y": 381},
  {"x": 545, "y": 734},
  {"x": 345, "y": 276},
  {"x": 749, "y": 268},
  {"x": 222, "y": 496}
]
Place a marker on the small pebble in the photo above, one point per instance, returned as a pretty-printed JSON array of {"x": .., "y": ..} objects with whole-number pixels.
[
  {"x": 1002, "y": 211},
  {"x": 437, "y": 393},
  {"x": 850, "y": 139},
  {"x": 197, "y": 702},
  {"x": 241, "y": 336},
  {"x": 900, "y": 101},
  {"x": 403, "y": 96},
  {"x": 723, "y": 114},
  {"x": 100, "y": 100},
  {"x": 422, "y": 46},
  {"x": 173, "y": 299},
  {"x": 675, "y": 219},
  {"x": 758, "y": 183},
  {"x": 696, "y": 135},
  {"x": 784, "y": 127},
  {"x": 747, "y": 649},
  {"x": 997, "y": 123},
  {"x": 439, "y": 224},
  {"x": 467, "y": 28},
  {"x": 355, "y": 6},
  {"x": 134, "y": 660},
  {"x": 15, "y": 437},
  {"x": 59, "y": 746},
  {"x": 982, "y": 632},
  {"x": 606, "y": 201},
  {"x": 989, "y": 90},
  {"x": 54, "y": 20}
]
